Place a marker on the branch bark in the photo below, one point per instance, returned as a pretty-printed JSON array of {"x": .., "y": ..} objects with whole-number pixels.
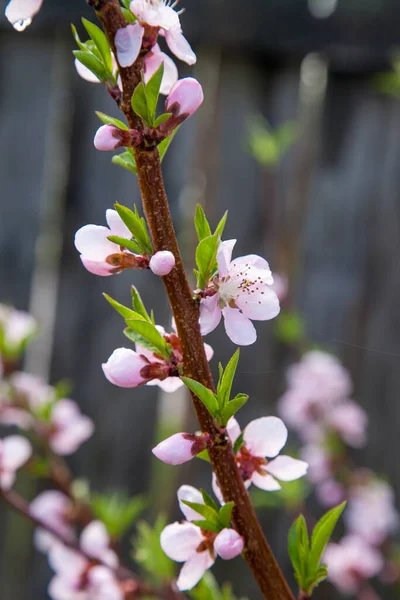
[{"x": 257, "y": 552}]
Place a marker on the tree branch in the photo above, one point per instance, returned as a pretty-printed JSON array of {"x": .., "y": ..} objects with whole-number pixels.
[{"x": 257, "y": 552}]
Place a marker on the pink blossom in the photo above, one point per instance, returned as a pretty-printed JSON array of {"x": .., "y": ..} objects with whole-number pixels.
[
  {"x": 242, "y": 293},
  {"x": 162, "y": 263},
  {"x": 180, "y": 448},
  {"x": 52, "y": 508},
  {"x": 21, "y": 12},
  {"x": 157, "y": 13},
  {"x": 98, "y": 254},
  {"x": 128, "y": 42},
  {"x": 30, "y": 391},
  {"x": 78, "y": 579},
  {"x": 69, "y": 428},
  {"x": 330, "y": 493},
  {"x": 15, "y": 450},
  {"x": 350, "y": 422},
  {"x": 184, "y": 98},
  {"x": 228, "y": 544},
  {"x": 319, "y": 462},
  {"x": 125, "y": 367},
  {"x": 351, "y": 562},
  {"x": 152, "y": 63},
  {"x": 371, "y": 512},
  {"x": 195, "y": 547},
  {"x": 16, "y": 327},
  {"x": 106, "y": 138}
]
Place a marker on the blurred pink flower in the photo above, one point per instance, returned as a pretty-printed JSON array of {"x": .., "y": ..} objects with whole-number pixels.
[
  {"x": 330, "y": 493},
  {"x": 69, "y": 427},
  {"x": 243, "y": 293},
  {"x": 52, "y": 508},
  {"x": 21, "y": 12},
  {"x": 350, "y": 422},
  {"x": 15, "y": 450},
  {"x": 351, "y": 562},
  {"x": 16, "y": 327}
]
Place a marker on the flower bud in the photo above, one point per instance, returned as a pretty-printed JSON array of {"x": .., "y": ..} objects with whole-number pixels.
[
  {"x": 185, "y": 98},
  {"x": 228, "y": 544},
  {"x": 124, "y": 367},
  {"x": 180, "y": 448},
  {"x": 162, "y": 263},
  {"x": 107, "y": 138}
]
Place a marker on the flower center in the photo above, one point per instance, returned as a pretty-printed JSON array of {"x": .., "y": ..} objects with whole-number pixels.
[
  {"x": 243, "y": 280},
  {"x": 208, "y": 542},
  {"x": 249, "y": 464}
]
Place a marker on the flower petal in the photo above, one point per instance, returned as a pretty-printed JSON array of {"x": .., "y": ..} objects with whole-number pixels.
[
  {"x": 91, "y": 241},
  {"x": 180, "y": 541},
  {"x": 191, "y": 494},
  {"x": 152, "y": 63},
  {"x": 238, "y": 327},
  {"x": 169, "y": 385},
  {"x": 193, "y": 570},
  {"x": 128, "y": 42},
  {"x": 287, "y": 468},
  {"x": 255, "y": 261},
  {"x": 85, "y": 73},
  {"x": 116, "y": 224},
  {"x": 101, "y": 268},
  {"x": 22, "y": 10},
  {"x": 224, "y": 256},
  {"x": 123, "y": 368},
  {"x": 265, "y": 436},
  {"x": 179, "y": 46},
  {"x": 265, "y": 482},
  {"x": 260, "y": 306},
  {"x": 233, "y": 429},
  {"x": 16, "y": 450},
  {"x": 210, "y": 314}
]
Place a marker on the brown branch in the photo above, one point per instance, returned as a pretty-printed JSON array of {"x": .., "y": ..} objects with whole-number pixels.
[{"x": 155, "y": 205}]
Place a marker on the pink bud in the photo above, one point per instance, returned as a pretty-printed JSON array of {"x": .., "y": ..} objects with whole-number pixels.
[
  {"x": 228, "y": 544},
  {"x": 106, "y": 138},
  {"x": 177, "y": 449},
  {"x": 185, "y": 97},
  {"x": 124, "y": 367},
  {"x": 162, "y": 263}
]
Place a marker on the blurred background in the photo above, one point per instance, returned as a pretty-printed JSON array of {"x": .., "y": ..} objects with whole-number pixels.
[{"x": 321, "y": 202}]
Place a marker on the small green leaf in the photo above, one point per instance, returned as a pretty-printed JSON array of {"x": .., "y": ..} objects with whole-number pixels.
[
  {"x": 77, "y": 38},
  {"x": 204, "y": 456},
  {"x": 152, "y": 91},
  {"x": 135, "y": 337},
  {"x": 137, "y": 304},
  {"x": 238, "y": 443},
  {"x": 205, "y": 511},
  {"x": 221, "y": 225},
  {"x": 206, "y": 253},
  {"x": 148, "y": 552},
  {"x": 129, "y": 16},
  {"x": 137, "y": 226},
  {"x": 92, "y": 63},
  {"x": 165, "y": 144},
  {"x": 225, "y": 514},
  {"x": 321, "y": 535},
  {"x": 208, "y": 500},
  {"x": 117, "y": 511},
  {"x": 161, "y": 119},
  {"x": 151, "y": 334},
  {"x": 207, "y": 397},
  {"x": 226, "y": 381},
  {"x": 233, "y": 406},
  {"x": 139, "y": 102},
  {"x": 125, "y": 243},
  {"x": 100, "y": 39},
  {"x": 124, "y": 311},
  {"x": 208, "y": 525},
  {"x": 201, "y": 224},
  {"x": 107, "y": 120},
  {"x": 126, "y": 161},
  {"x": 126, "y": 3}
]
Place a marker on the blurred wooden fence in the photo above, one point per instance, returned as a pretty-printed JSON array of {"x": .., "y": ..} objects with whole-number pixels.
[{"x": 343, "y": 172}]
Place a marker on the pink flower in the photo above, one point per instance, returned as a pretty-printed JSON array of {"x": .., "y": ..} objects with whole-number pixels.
[
  {"x": 162, "y": 263},
  {"x": 184, "y": 98},
  {"x": 330, "y": 493},
  {"x": 21, "y": 12},
  {"x": 125, "y": 368},
  {"x": 264, "y": 437},
  {"x": 351, "y": 562},
  {"x": 350, "y": 421},
  {"x": 152, "y": 62},
  {"x": 16, "y": 328},
  {"x": 30, "y": 391},
  {"x": 78, "y": 579},
  {"x": 371, "y": 513},
  {"x": 52, "y": 508},
  {"x": 15, "y": 450},
  {"x": 69, "y": 428},
  {"x": 157, "y": 13},
  {"x": 128, "y": 42},
  {"x": 195, "y": 547},
  {"x": 319, "y": 462},
  {"x": 99, "y": 255},
  {"x": 242, "y": 293},
  {"x": 180, "y": 448}
]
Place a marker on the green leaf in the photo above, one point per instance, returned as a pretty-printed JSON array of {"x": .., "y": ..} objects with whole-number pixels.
[
  {"x": 233, "y": 406},
  {"x": 77, "y": 38},
  {"x": 204, "y": 456},
  {"x": 137, "y": 226},
  {"x": 207, "y": 397},
  {"x": 151, "y": 334},
  {"x": 205, "y": 511},
  {"x": 161, "y": 119},
  {"x": 139, "y": 102},
  {"x": 165, "y": 144},
  {"x": 294, "y": 550},
  {"x": 124, "y": 311},
  {"x": 201, "y": 224},
  {"x": 125, "y": 243},
  {"x": 135, "y": 337},
  {"x": 92, "y": 63},
  {"x": 238, "y": 444},
  {"x": 152, "y": 92},
  {"x": 148, "y": 552},
  {"x": 226, "y": 381},
  {"x": 225, "y": 514},
  {"x": 117, "y": 511},
  {"x": 289, "y": 327},
  {"x": 221, "y": 225},
  {"x": 321, "y": 535},
  {"x": 209, "y": 501},
  {"x": 129, "y": 16},
  {"x": 100, "y": 39},
  {"x": 137, "y": 304},
  {"x": 126, "y": 3},
  {"x": 107, "y": 120},
  {"x": 126, "y": 161},
  {"x": 206, "y": 253},
  {"x": 208, "y": 525}
]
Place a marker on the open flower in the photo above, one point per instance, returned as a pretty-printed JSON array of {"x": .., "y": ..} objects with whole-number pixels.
[
  {"x": 152, "y": 62},
  {"x": 159, "y": 15},
  {"x": 196, "y": 547},
  {"x": 263, "y": 439},
  {"x": 77, "y": 577},
  {"x": 102, "y": 257},
  {"x": 21, "y": 12},
  {"x": 52, "y": 508},
  {"x": 69, "y": 427},
  {"x": 351, "y": 562},
  {"x": 241, "y": 292},
  {"x": 15, "y": 450}
]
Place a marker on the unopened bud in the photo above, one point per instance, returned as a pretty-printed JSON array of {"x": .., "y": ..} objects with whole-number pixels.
[
  {"x": 185, "y": 98},
  {"x": 109, "y": 137},
  {"x": 180, "y": 448},
  {"x": 162, "y": 263},
  {"x": 228, "y": 544}
]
